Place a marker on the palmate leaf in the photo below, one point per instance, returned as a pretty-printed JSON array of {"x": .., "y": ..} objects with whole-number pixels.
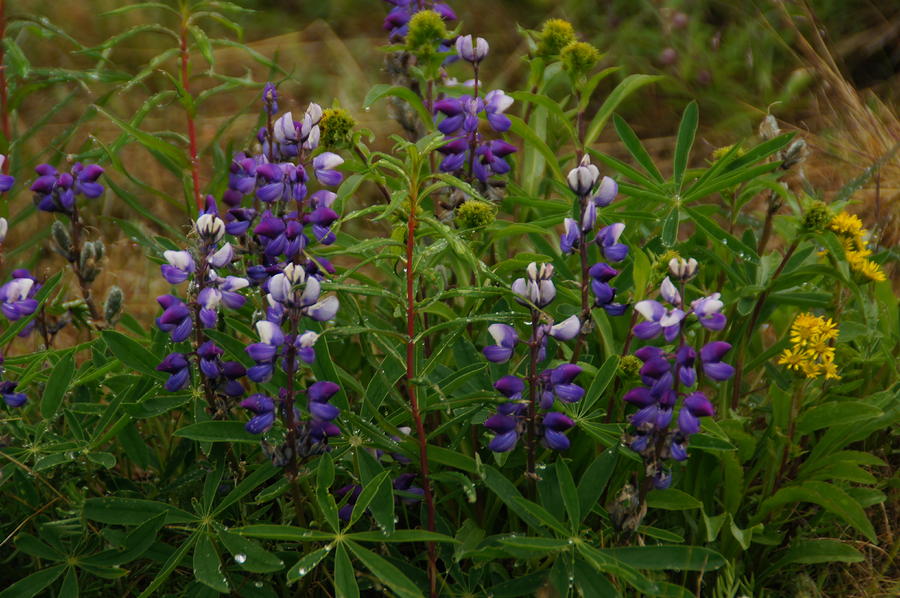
[
  {"x": 687, "y": 130},
  {"x": 385, "y": 572}
]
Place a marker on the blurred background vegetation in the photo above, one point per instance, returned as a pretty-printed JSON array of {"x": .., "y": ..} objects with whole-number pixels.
[{"x": 828, "y": 68}]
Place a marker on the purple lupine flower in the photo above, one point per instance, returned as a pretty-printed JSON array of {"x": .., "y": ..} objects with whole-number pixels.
[
  {"x": 176, "y": 365},
  {"x": 708, "y": 312},
  {"x": 537, "y": 288},
  {"x": 263, "y": 408},
  {"x": 659, "y": 319},
  {"x": 711, "y": 357},
  {"x": 270, "y": 98},
  {"x": 56, "y": 191},
  {"x": 505, "y": 428},
  {"x": 668, "y": 292},
  {"x": 264, "y": 352},
  {"x": 9, "y": 394},
  {"x": 17, "y": 297},
  {"x": 473, "y": 51},
  {"x": 567, "y": 329},
  {"x": 694, "y": 406},
  {"x": 606, "y": 192},
  {"x": 495, "y": 104},
  {"x": 604, "y": 293},
  {"x": 175, "y": 319},
  {"x": 560, "y": 383},
  {"x": 583, "y": 177},
  {"x": 6, "y": 181},
  {"x": 510, "y": 386},
  {"x": 210, "y": 228},
  {"x": 305, "y": 346},
  {"x": 570, "y": 240},
  {"x": 684, "y": 362},
  {"x": 324, "y": 165},
  {"x": 682, "y": 269},
  {"x": 554, "y": 424},
  {"x": 505, "y": 337},
  {"x": 180, "y": 267},
  {"x": 404, "y": 484},
  {"x": 608, "y": 240}
]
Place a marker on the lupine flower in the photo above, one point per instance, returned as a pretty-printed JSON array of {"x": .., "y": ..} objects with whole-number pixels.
[
  {"x": 6, "y": 181},
  {"x": 270, "y": 98},
  {"x": 505, "y": 337},
  {"x": 659, "y": 319},
  {"x": 397, "y": 21},
  {"x": 175, "y": 364},
  {"x": 180, "y": 267},
  {"x": 264, "y": 352},
  {"x": 707, "y": 310},
  {"x": 567, "y": 329},
  {"x": 461, "y": 128},
  {"x": 56, "y": 191},
  {"x": 175, "y": 319},
  {"x": 263, "y": 408},
  {"x": 471, "y": 50},
  {"x": 711, "y": 358},
  {"x": 16, "y": 298},
  {"x": 537, "y": 288},
  {"x": 554, "y": 424},
  {"x": 9, "y": 394},
  {"x": 605, "y": 294},
  {"x": 682, "y": 269},
  {"x": 210, "y": 228},
  {"x": 608, "y": 240}
]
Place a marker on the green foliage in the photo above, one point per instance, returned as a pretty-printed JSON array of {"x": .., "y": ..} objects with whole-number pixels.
[{"x": 112, "y": 484}]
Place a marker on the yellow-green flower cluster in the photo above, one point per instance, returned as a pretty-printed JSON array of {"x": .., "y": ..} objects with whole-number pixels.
[
  {"x": 812, "y": 347},
  {"x": 849, "y": 229}
]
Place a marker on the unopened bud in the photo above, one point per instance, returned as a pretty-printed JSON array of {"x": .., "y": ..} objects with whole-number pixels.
[
  {"x": 682, "y": 269},
  {"x": 794, "y": 154},
  {"x": 4, "y": 228},
  {"x": 768, "y": 128},
  {"x": 62, "y": 243},
  {"x": 113, "y": 304}
]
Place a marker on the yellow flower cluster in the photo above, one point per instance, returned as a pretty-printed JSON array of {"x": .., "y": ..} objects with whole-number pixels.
[
  {"x": 849, "y": 229},
  {"x": 812, "y": 347}
]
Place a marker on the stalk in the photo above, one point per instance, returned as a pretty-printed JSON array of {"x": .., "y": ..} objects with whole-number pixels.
[
  {"x": 191, "y": 129},
  {"x": 754, "y": 318},
  {"x": 585, "y": 285},
  {"x": 199, "y": 337},
  {"x": 411, "y": 386},
  {"x": 4, "y": 109},
  {"x": 83, "y": 284},
  {"x": 534, "y": 348}
]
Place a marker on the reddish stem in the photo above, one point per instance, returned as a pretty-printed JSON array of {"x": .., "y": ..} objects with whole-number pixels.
[
  {"x": 4, "y": 112},
  {"x": 192, "y": 132},
  {"x": 411, "y": 390}
]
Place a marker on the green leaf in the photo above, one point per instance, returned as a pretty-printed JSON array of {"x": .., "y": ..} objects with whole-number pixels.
[
  {"x": 720, "y": 235},
  {"x": 636, "y": 149},
  {"x": 670, "y": 227},
  {"x": 57, "y": 384},
  {"x": 132, "y": 511},
  {"x": 136, "y": 544},
  {"x": 599, "y": 384},
  {"x": 687, "y": 130},
  {"x": 207, "y": 567},
  {"x": 203, "y": 44},
  {"x": 385, "y": 572},
  {"x": 249, "y": 555},
  {"x": 380, "y": 493},
  {"x": 383, "y": 90},
  {"x": 520, "y": 128},
  {"x": 811, "y": 552},
  {"x": 370, "y": 489},
  {"x": 604, "y": 563},
  {"x": 69, "y": 587},
  {"x": 171, "y": 563},
  {"x": 34, "y": 583},
  {"x": 625, "y": 88},
  {"x": 672, "y": 499},
  {"x": 344, "y": 576},
  {"x": 569, "y": 493},
  {"x": 828, "y": 496},
  {"x": 282, "y": 533},
  {"x": 131, "y": 353},
  {"x": 535, "y": 544},
  {"x": 168, "y": 152},
  {"x": 662, "y": 557},
  {"x": 306, "y": 564},
  {"x": 829, "y": 414},
  {"x": 540, "y": 514},
  {"x": 217, "y": 431},
  {"x": 401, "y": 535},
  {"x": 595, "y": 479}
]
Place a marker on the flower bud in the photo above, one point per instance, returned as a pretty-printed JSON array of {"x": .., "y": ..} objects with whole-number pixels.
[
  {"x": 61, "y": 240},
  {"x": 471, "y": 50},
  {"x": 555, "y": 35},
  {"x": 583, "y": 177},
  {"x": 210, "y": 228},
  {"x": 426, "y": 31},
  {"x": 113, "y": 304},
  {"x": 579, "y": 58},
  {"x": 4, "y": 228},
  {"x": 681, "y": 269}
]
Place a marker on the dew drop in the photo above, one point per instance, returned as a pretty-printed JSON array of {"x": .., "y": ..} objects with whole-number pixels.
[
  {"x": 257, "y": 584},
  {"x": 240, "y": 558},
  {"x": 301, "y": 572}
]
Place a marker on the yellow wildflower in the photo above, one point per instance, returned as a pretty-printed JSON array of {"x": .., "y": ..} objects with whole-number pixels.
[
  {"x": 852, "y": 235},
  {"x": 812, "y": 347}
]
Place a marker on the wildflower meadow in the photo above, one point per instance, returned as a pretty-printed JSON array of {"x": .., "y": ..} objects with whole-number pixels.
[{"x": 448, "y": 299}]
